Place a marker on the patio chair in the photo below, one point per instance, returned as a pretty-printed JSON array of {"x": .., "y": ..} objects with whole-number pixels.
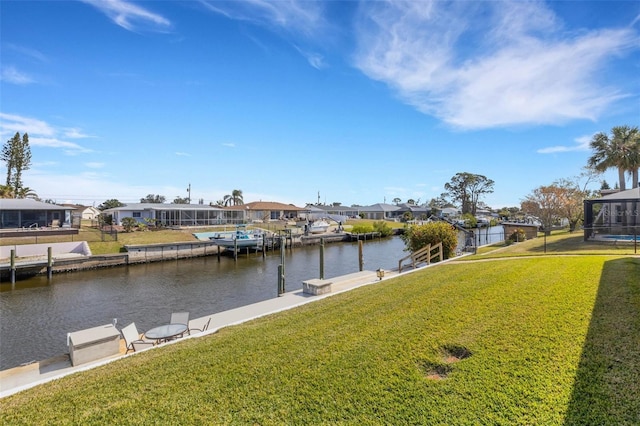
[
  {"x": 181, "y": 318},
  {"x": 132, "y": 338},
  {"x": 204, "y": 327}
]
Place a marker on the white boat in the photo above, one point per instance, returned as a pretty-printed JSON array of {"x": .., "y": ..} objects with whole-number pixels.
[
  {"x": 241, "y": 238},
  {"x": 319, "y": 227}
]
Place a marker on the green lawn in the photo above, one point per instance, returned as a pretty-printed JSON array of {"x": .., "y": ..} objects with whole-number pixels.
[
  {"x": 547, "y": 340},
  {"x": 561, "y": 242}
]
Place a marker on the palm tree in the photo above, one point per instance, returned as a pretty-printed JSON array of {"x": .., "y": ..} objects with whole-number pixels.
[
  {"x": 620, "y": 150},
  {"x": 26, "y": 192},
  {"x": 235, "y": 199}
]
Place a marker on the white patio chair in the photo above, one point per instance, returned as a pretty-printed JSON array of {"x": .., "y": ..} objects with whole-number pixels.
[
  {"x": 132, "y": 337},
  {"x": 181, "y": 318},
  {"x": 205, "y": 326}
]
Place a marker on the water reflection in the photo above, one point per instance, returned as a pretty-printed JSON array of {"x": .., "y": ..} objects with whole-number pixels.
[{"x": 36, "y": 315}]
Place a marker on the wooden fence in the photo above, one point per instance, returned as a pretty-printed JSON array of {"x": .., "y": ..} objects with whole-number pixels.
[{"x": 424, "y": 255}]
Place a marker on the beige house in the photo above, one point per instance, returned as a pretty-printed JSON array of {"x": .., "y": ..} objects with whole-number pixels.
[{"x": 261, "y": 211}]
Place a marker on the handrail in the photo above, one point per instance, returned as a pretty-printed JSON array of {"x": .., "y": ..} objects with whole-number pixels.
[{"x": 422, "y": 255}]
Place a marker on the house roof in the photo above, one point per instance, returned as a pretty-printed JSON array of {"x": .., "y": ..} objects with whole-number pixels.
[
  {"x": 413, "y": 207},
  {"x": 269, "y": 205},
  {"x": 623, "y": 195},
  {"x": 380, "y": 207},
  {"x": 162, "y": 206},
  {"x": 28, "y": 204}
]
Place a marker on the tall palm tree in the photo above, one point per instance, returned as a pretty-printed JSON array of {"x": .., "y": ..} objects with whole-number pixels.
[
  {"x": 235, "y": 199},
  {"x": 26, "y": 192},
  {"x": 620, "y": 150}
]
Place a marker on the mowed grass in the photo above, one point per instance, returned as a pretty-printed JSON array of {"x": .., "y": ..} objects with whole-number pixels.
[
  {"x": 547, "y": 340},
  {"x": 560, "y": 242}
]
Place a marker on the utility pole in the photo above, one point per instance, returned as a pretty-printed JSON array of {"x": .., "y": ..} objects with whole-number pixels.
[{"x": 189, "y": 196}]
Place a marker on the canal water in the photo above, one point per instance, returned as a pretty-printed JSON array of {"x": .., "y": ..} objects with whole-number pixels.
[{"x": 36, "y": 314}]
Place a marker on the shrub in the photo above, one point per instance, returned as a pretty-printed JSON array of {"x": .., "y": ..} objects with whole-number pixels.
[
  {"x": 362, "y": 228},
  {"x": 128, "y": 223},
  {"x": 383, "y": 228},
  {"x": 419, "y": 236},
  {"x": 516, "y": 236}
]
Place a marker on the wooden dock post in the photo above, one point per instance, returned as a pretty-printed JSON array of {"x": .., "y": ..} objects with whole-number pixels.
[
  {"x": 322, "y": 258},
  {"x": 360, "y": 258},
  {"x": 13, "y": 266},
  {"x": 235, "y": 249},
  {"x": 49, "y": 263}
]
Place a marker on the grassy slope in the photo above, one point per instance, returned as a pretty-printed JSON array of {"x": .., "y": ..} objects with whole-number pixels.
[{"x": 554, "y": 340}]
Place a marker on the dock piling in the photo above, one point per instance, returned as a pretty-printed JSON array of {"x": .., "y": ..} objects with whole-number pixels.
[{"x": 49, "y": 263}]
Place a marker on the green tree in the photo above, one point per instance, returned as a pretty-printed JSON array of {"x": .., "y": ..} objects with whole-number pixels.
[
  {"x": 235, "y": 199},
  {"x": 180, "y": 200},
  {"x": 6, "y": 191},
  {"x": 396, "y": 200},
  {"x": 16, "y": 153},
  {"x": 467, "y": 188},
  {"x": 439, "y": 203},
  {"x": 470, "y": 220},
  {"x": 620, "y": 150},
  {"x": 110, "y": 204},
  {"x": 419, "y": 236},
  {"x": 153, "y": 199}
]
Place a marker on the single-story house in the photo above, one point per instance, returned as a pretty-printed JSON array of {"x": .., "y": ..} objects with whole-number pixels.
[
  {"x": 81, "y": 213},
  {"x": 380, "y": 211},
  {"x": 175, "y": 214},
  {"x": 336, "y": 213},
  {"x": 29, "y": 213},
  {"x": 268, "y": 210},
  {"x": 417, "y": 212}
]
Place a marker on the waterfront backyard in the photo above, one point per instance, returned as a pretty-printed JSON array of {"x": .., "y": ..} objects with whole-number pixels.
[{"x": 517, "y": 338}]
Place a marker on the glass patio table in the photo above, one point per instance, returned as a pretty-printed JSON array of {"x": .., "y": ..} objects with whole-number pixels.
[{"x": 165, "y": 332}]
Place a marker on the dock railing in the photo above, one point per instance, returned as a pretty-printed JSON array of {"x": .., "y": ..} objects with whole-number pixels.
[{"x": 424, "y": 255}]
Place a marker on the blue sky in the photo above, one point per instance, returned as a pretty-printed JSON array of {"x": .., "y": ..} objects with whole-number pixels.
[{"x": 361, "y": 102}]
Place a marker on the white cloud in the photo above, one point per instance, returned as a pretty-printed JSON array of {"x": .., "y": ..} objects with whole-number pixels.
[
  {"x": 301, "y": 17},
  {"x": 582, "y": 144},
  {"x": 12, "y": 75},
  {"x": 514, "y": 66},
  {"x": 316, "y": 60},
  {"x": 40, "y": 133},
  {"x": 25, "y": 51},
  {"x": 229, "y": 145},
  {"x": 75, "y": 133},
  {"x": 69, "y": 148},
  {"x": 12, "y": 123},
  {"x": 130, "y": 16},
  {"x": 294, "y": 19},
  {"x": 183, "y": 154}
]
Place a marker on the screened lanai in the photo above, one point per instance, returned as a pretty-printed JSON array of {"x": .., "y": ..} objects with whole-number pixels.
[
  {"x": 174, "y": 215},
  {"x": 614, "y": 216}
]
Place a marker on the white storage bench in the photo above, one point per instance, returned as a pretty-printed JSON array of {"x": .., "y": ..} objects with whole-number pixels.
[{"x": 93, "y": 344}]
